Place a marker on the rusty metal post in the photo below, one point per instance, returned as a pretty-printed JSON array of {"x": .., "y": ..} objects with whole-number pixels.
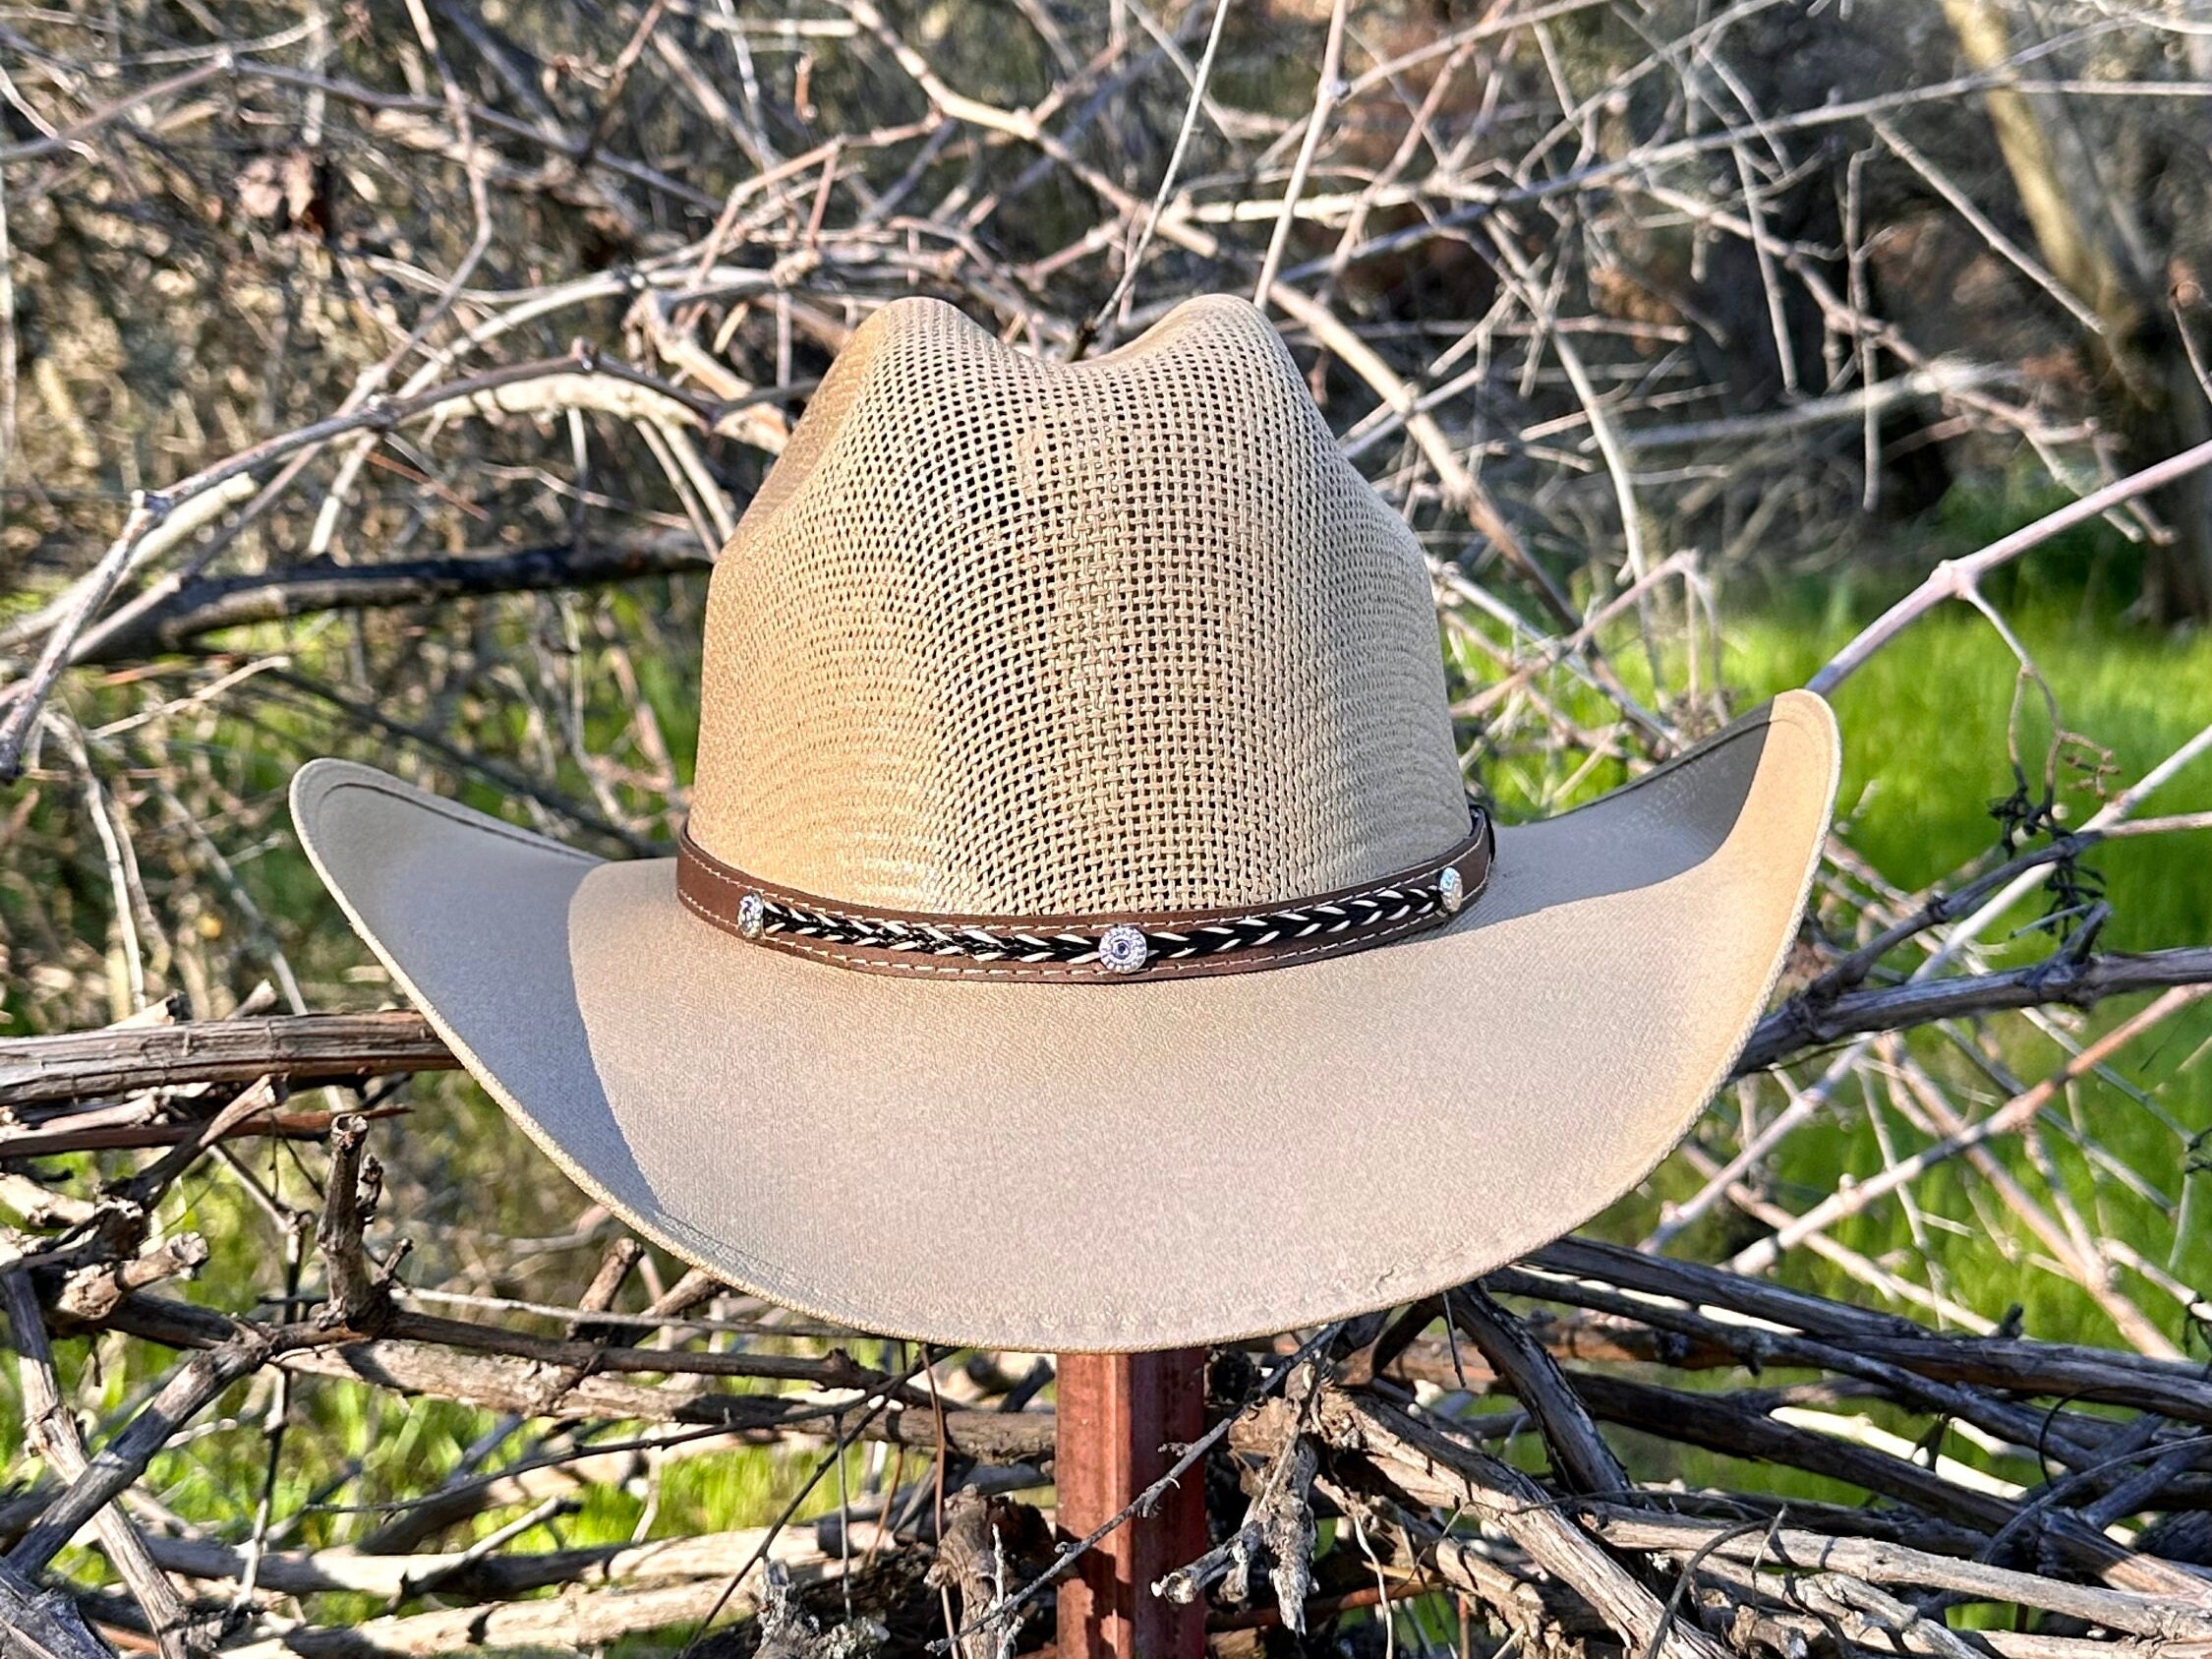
[{"x": 1118, "y": 1414}]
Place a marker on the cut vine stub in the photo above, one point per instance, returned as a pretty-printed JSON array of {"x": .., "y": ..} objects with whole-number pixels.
[{"x": 1122, "y": 1419}]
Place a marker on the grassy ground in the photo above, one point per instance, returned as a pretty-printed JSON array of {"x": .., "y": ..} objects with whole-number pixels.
[
  {"x": 1930, "y": 727},
  {"x": 1925, "y": 729},
  {"x": 1926, "y": 754}
]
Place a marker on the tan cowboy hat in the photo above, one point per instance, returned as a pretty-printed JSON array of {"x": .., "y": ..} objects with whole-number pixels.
[{"x": 1081, "y": 938}]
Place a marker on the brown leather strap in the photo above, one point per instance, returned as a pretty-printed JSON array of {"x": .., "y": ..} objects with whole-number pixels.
[{"x": 1098, "y": 949}]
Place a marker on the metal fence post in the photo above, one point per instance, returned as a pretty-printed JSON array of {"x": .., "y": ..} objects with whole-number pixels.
[{"x": 1118, "y": 1414}]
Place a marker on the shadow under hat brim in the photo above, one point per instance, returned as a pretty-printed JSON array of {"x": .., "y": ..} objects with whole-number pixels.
[{"x": 1123, "y": 1167}]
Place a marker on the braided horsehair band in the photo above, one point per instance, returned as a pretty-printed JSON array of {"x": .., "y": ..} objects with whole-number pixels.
[{"x": 1100, "y": 948}]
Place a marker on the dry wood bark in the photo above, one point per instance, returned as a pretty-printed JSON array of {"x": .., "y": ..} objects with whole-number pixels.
[
  {"x": 40, "y": 1623},
  {"x": 1428, "y": 1469},
  {"x": 54, "y": 1432},
  {"x": 90, "y": 1065},
  {"x": 182, "y": 619}
]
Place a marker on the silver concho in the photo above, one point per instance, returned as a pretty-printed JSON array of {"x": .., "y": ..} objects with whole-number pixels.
[
  {"x": 1453, "y": 890},
  {"x": 752, "y": 916},
  {"x": 1124, "y": 949}
]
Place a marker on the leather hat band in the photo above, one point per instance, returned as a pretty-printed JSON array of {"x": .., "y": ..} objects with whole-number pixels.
[{"x": 1093, "y": 948}]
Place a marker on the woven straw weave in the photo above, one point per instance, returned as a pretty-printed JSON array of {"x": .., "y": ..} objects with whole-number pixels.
[{"x": 1007, "y": 637}]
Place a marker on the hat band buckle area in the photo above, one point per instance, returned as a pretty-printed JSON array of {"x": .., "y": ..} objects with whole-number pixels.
[{"x": 1095, "y": 949}]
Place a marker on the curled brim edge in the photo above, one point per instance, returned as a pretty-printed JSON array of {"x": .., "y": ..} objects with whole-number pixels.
[{"x": 1084, "y": 1167}]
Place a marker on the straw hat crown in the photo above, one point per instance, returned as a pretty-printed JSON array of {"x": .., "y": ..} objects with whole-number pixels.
[{"x": 999, "y": 637}]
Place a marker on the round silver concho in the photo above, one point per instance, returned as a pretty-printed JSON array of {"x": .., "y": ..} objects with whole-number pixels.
[
  {"x": 1453, "y": 889},
  {"x": 752, "y": 916},
  {"x": 1124, "y": 949}
]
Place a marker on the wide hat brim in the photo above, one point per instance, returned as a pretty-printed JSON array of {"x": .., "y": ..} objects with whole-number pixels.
[{"x": 1088, "y": 1167}]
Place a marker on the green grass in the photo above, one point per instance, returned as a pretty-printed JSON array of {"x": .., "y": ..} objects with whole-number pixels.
[
  {"x": 1925, "y": 755},
  {"x": 1925, "y": 733},
  {"x": 1925, "y": 739}
]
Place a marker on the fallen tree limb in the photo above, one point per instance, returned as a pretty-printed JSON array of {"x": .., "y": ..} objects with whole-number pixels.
[
  {"x": 38, "y": 1624},
  {"x": 1433, "y": 1470},
  {"x": 278, "y": 1125},
  {"x": 1736, "y": 1430},
  {"x": 50, "y": 1427},
  {"x": 191, "y": 1388},
  {"x": 1807, "y": 1022},
  {"x": 304, "y": 1047},
  {"x": 578, "y": 1619},
  {"x": 208, "y": 605},
  {"x": 471, "y": 1572},
  {"x": 1790, "y": 1549},
  {"x": 505, "y": 1382}
]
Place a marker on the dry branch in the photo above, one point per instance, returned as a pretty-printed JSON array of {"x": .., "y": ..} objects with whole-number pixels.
[
  {"x": 187, "y": 614},
  {"x": 1807, "y": 1022},
  {"x": 40, "y": 1623},
  {"x": 312, "y": 1047},
  {"x": 79, "y": 1066},
  {"x": 54, "y": 1431}
]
